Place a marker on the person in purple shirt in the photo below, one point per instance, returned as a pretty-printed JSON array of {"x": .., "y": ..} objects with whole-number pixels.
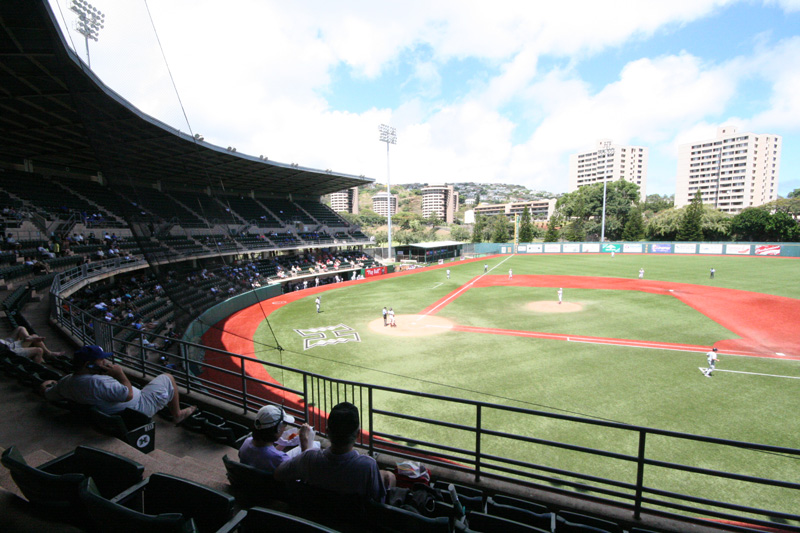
[
  {"x": 260, "y": 451},
  {"x": 339, "y": 468}
]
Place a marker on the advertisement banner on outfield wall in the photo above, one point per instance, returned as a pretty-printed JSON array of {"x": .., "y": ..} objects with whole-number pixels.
[
  {"x": 660, "y": 248},
  {"x": 552, "y": 248},
  {"x": 535, "y": 248},
  {"x": 522, "y": 248},
  {"x": 710, "y": 248},
  {"x": 612, "y": 247},
  {"x": 374, "y": 271},
  {"x": 768, "y": 249},
  {"x": 685, "y": 248},
  {"x": 592, "y": 247},
  {"x": 737, "y": 249},
  {"x": 632, "y": 248},
  {"x": 571, "y": 248}
]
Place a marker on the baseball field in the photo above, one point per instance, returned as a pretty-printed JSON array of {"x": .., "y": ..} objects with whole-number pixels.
[{"x": 618, "y": 348}]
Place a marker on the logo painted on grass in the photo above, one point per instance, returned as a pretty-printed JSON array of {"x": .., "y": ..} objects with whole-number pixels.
[{"x": 320, "y": 336}]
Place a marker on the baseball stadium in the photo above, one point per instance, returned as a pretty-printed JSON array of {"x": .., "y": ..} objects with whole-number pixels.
[{"x": 586, "y": 387}]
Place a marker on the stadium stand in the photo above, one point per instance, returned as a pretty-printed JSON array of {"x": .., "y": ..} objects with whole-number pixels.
[{"x": 142, "y": 170}]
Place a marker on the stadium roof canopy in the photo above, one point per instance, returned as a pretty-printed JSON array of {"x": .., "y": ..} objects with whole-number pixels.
[{"x": 56, "y": 114}]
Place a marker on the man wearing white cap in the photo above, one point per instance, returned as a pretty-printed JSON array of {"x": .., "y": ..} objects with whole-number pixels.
[{"x": 259, "y": 450}]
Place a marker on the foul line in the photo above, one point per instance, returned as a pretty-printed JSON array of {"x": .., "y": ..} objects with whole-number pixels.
[
  {"x": 444, "y": 301},
  {"x": 757, "y": 374}
]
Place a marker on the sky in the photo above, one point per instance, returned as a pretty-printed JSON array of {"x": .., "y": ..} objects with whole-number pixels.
[{"x": 493, "y": 92}]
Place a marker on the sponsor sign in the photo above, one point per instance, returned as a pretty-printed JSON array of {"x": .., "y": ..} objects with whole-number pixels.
[
  {"x": 592, "y": 247},
  {"x": 552, "y": 248},
  {"x": 660, "y": 248},
  {"x": 710, "y": 248},
  {"x": 768, "y": 249},
  {"x": 612, "y": 247},
  {"x": 636, "y": 248},
  {"x": 571, "y": 248},
  {"x": 535, "y": 248},
  {"x": 522, "y": 248},
  {"x": 685, "y": 248},
  {"x": 374, "y": 271},
  {"x": 737, "y": 249}
]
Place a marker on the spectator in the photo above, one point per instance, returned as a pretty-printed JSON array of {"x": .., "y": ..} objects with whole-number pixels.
[
  {"x": 32, "y": 346},
  {"x": 339, "y": 468},
  {"x": 98, "y": 382},
  {"x": 260, "y": 451}
]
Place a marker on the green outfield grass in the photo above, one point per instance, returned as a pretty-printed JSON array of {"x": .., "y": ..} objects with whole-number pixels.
[{"x": 648, "y": 387}]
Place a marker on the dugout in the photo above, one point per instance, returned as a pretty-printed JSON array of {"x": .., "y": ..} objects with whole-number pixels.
[{"x": 429, "y": 252}]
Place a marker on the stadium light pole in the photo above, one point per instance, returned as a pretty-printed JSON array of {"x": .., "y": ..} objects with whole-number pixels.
[
  {"x": 388, "y": 135},
  {"x": 90, "y": 21},
  {"x": 606, "y": 151}
]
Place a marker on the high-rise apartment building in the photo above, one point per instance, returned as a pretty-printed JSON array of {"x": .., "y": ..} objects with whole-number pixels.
[
  {"x": 440, "y": 201},
  {"x": 383, "y": 202},
  {"x": 732, "y": 171},
  {"x": 345, "y": 201},
  {"x": 609, "y": 162}
]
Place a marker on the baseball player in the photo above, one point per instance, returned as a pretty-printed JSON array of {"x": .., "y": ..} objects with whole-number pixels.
[
  {"x": 485, "y": 268},
  {"x": 510, "y": 274},
  {"x": 560, "y": 295},
  {"x": 391, "y": 318},
  {"x": 385, "y": 314},
  {"x": 641, "y": 273},
  {"x": 712, "y": 361},
  {"x": 448, "y": 273},
  {"x": 317, "y": 302},
  {"x": 713, "y": 271}
]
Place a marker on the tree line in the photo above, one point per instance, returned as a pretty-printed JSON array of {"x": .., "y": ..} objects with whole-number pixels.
[{"x": 578, "y": 217}]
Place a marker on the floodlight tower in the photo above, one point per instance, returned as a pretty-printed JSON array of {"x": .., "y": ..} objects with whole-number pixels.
[
  {"x": 388, "y": 135},
  {"x": 90, "y": 22},
  {"x": 606, "y": 152}
]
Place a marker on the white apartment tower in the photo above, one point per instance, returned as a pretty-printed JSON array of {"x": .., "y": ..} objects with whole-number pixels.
[
  {"x": 732, "y": 171},
  {"x": 440, "y": 201},
  {"x": 609, "y": 162},
  {"x": 345, "y": 201},
  {"x": 383, "y": 202}
]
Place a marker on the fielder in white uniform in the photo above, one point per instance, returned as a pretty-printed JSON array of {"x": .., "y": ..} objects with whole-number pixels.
[
  {"x": 317, "y": 302},
  {"x": 448, "y": 273},
  {"x": 560, "y": 295},
  {"x": 641, "y": 273},
  {"x": 712, "y": 361},
  {"x": 510, "y": 274}
]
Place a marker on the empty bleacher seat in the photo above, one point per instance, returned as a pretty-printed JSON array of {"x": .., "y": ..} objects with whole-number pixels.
[
  {"x": 571, "y": 522},
  {"x": 160, "y": 494},
  {"x": 54, "y": 485},
  {"x": 259, "y": 519},
  {"x": 543, "y": 520},
  {"x": 389, "y": 519},
  {"x": 486, "y": 523},
  {"x": 132, "y": 427}
]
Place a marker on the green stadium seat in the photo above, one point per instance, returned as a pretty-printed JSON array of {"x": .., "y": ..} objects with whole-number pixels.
[
  {"x": 249, "y": 484},
  {"x": 388, "y": 519},
  {"x": 132, "y": 427},
  {"x": 258, "y": 519},
  {"x": 486, "y": 523},
  {"x": 518, "y": 514}
]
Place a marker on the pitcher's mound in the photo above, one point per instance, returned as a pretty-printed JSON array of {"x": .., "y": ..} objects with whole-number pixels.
[
  {"x": 413, "y": 326},
  {"x": 547, "y": 306}
]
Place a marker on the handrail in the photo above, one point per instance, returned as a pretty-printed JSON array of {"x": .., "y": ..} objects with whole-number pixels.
[{"x": 481, "y": 455}]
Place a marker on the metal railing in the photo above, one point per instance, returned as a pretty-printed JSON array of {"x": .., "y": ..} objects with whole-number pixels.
[{"x": 640, "y": 469}]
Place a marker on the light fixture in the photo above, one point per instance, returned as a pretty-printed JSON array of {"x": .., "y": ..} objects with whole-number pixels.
[
  {"x": 90, "y": 22},
  {"x": 388, "y": 135}
]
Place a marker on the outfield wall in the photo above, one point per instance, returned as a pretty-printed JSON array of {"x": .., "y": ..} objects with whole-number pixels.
[{"x": 661, "y": 248}]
